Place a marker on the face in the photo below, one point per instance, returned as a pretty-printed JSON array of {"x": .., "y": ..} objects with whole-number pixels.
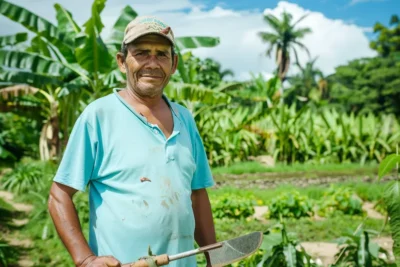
[{"x": 148, "y": 65}]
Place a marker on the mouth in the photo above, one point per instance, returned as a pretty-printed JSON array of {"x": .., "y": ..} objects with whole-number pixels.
[{"x": 151, "y": 77}]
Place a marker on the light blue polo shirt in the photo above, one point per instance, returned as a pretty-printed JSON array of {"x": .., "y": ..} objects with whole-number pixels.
[{"x": 140, "y": 183}]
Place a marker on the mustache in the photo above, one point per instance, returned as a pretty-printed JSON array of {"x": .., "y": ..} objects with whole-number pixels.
[{"x": 152, "y": 73}]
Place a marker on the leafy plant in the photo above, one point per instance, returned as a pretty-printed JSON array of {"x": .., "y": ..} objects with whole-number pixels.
[
  {"x": 28, "y": 175},
  {"x": 18, "y": 136},
  {"x": 69, "y": 65},
  {"x": 357, "y": 250},
  {"x": 23, "y": 178},
  {"x": 340, "y": 199},
  {"x": 282, "y": 249},
  {"x": 291, "y": 205},
  {"x": 232, "y": 206},
  {"x": 392, "y": 200},
  {"x": 8, "y": 254}
]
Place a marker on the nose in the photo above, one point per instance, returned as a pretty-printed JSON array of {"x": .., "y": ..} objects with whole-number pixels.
[{"x": 152, "y": 62}]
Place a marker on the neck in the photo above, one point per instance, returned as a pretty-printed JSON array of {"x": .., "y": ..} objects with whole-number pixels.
[{"x": 150, "y": 102}]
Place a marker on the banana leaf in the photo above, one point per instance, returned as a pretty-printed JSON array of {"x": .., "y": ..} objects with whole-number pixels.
[
  {"x": 33, "y": 62},
  {"x": 117, "y": 33},
  {"x": 93, "y": 56},
  {"x": 39, "y": 46},
  {"x": 387, "y": 165},
  {"x": 27, "y": 77},
  {"x": 66, "y": 23},
  {"x": 190, "y": 42},
  {"x": 40, "y": 26},
  {"x": 193, "y": 93},
  {"x": 392, "y": 197},
  {"x": 13, "y": 39}
]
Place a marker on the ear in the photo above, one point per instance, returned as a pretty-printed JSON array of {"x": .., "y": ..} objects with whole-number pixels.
[
  {"x": 121, "y": 62},
  {"x": 175, "y": 65}
]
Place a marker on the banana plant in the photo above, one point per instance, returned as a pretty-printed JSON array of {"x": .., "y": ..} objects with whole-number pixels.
[
  {"x": 392, "y": 199},
  {"x": 356, "y": 249},
  {"x": 70, "y": 59},
  {"x": 282, "y": 249}
]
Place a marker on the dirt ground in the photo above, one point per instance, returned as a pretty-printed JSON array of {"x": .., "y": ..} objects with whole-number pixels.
[{"x": 26, "y": 243}]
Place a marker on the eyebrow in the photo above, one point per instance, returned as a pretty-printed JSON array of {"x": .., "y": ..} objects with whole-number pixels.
[{"x": 149, "y": 50}]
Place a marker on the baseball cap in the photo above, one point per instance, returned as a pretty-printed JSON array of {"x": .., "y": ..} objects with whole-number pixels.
[{"x": 143, "y": 25}]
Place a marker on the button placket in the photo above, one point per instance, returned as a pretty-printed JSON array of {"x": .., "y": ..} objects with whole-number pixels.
[{"x": 169, "y": 153}]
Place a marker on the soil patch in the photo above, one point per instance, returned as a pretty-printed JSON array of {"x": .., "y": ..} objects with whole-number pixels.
[{"x": 273, "y": 180}]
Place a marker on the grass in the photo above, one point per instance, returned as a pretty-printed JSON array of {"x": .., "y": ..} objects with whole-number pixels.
[
  {"x": 52, "y": 252},
  {"x": 305, "y": 229},
  {"x": 366, "y": 191},
  {"x": 8, "y": 254},
  {"x": 256, "y": 167}
]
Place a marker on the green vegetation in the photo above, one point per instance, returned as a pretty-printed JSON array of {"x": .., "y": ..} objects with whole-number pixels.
[
  {"x": 256, "y": 167},
  {"x": 340, "y": 199},
  {"x": 315, "y": 126},
  {"x": 392, "y": 200},
  {"x": 290, "y": 205},
  {"x": 231, "y": 206}
]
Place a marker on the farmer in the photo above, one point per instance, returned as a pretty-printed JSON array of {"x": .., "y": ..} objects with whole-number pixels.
[{"x": 144, "y": 162}]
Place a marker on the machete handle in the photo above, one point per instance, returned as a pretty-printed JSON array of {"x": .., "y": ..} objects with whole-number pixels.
[{"x": 160, "y": 261}]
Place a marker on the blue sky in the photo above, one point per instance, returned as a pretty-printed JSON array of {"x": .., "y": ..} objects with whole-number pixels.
[
  {"x": 364, "y": 13},
  {"x": 341, "y": 29}
]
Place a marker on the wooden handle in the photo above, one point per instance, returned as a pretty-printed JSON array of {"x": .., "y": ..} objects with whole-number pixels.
[{"x": 160, "y": 261}]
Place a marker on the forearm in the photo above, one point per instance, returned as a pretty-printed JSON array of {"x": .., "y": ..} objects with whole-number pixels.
[
  {"x": 66, "y": 221},
  {"x": 204, "y": 230}
]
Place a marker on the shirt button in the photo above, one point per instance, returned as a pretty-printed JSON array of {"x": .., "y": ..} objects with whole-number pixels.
[{"x": 155, "y": 131}]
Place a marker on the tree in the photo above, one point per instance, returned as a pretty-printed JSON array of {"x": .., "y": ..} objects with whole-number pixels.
[
  {"x": 68, "y": 64},
  {"x": 285, "y": 37},
  {"x": 308, "y": 84},
  {"x": 370, "y": 84},
  {"x": 388, "y": 41},
  {"x": 206, "y": 72}
]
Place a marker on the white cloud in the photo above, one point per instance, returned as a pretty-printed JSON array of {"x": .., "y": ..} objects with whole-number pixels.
[
  {"x": 334, "y": 41},
  {"x": 354, "y": 2}
]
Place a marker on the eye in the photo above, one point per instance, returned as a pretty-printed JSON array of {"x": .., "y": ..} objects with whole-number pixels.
[
  {"x": 162, "y": 54},
  {"x": 141, "y": 53}
]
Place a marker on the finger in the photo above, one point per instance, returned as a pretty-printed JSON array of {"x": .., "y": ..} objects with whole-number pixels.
[{"x": 112, "y": 262}]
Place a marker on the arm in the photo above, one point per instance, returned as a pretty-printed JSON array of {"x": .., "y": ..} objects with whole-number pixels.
[
  {"x": 204, "y": 231},
  {"x": 66, "y": 221}
]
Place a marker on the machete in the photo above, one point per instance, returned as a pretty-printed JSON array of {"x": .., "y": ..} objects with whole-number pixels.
[{"x": 221, "y": 253}]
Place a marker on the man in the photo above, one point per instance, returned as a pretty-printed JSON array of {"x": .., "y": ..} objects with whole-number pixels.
[{"x": 143, "y": 160}]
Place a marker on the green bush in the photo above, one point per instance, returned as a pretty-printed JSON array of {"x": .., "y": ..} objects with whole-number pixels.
[
  {"x": 232, "y": 206},
  {"x": 28, "y": 175},
  {"x": 19, "y": 137},
  {"x": 342, "y": 200},
  {"x": 290, "y": 205}
]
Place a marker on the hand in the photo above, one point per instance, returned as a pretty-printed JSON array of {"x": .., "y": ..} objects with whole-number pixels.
[{"x": 103, "y": 261}]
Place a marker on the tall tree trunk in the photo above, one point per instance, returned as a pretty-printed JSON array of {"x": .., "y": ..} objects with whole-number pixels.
[{"x": 283, "y": 62}]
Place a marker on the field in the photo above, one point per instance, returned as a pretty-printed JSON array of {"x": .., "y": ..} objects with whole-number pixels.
[{"x": 237, "y": 210}]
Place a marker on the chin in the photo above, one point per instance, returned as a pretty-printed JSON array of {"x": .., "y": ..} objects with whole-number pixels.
[{"x": 149, "y": 90}]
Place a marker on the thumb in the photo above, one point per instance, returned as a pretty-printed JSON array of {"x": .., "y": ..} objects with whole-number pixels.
[{"x": 112, "y": 262}]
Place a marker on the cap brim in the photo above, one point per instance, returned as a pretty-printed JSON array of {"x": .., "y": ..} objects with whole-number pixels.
[{"x": 132, "y": 38}]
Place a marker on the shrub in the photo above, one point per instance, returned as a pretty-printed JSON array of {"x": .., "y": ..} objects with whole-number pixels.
[
  {"x": 232, "y": 206},
  {"x": 340, "y": 199},
  {"x": 290, "y": 205},
  {"x": 28, "y": 175}
]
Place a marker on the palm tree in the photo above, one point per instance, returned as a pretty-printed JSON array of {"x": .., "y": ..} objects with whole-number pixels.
[
  {"x": 285, "y": 36},
  {"x": 308, "y": 79}
]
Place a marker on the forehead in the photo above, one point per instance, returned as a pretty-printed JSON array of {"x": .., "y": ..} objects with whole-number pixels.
[{"x": 152, "y": 40}]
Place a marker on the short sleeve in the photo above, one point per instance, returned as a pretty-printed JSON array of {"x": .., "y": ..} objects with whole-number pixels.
[
  {"x": 202, "y": 177},
  {"x": 76, "y": 166}
]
